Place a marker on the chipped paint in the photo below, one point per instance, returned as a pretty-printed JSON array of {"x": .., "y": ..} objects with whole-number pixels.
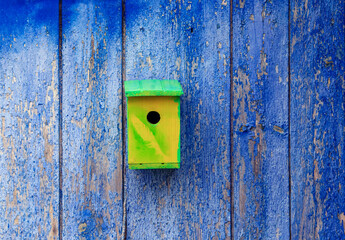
[
  {"x": 28, "y": 113},
  {"x": 260, "y": 109},
  {"x": 92, "y": 125},
  {"x": 189, "y": 41},
  {"x": 317, "y": 120},
  {"x": 341, "y": 218},
  {"x": 278, "y": 129}
]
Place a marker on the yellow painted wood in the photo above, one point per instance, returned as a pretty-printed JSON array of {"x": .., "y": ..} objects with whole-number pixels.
[{"x": 153, "y": 145}]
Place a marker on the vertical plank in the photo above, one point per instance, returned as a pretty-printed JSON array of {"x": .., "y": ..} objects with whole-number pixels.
[
  {"x": 188, "y": 41},
  {"x": 317, "y": 119},
  {"x": 29, "y": 166},
  {"x": 92, "y": 142},
  {"x": 260, "y": 120}
]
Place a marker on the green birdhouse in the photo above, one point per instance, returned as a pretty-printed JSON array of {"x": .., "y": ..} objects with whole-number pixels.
[{"x": 153, "y": 123}]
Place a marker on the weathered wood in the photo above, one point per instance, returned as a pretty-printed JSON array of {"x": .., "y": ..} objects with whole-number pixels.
[
  {"x": 29, "y": 106},
  {"x": 92, "y": 120},
  {"x": 260, "y": 115},
  {"x": 188, "y": 41},
  {"x": 317, "y": 119}
]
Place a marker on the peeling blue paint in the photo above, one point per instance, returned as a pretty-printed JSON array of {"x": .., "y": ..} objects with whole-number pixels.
[{"x": 190, "y": 41}]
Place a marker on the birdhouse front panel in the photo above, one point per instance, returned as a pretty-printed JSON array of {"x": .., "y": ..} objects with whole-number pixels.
[{"x": 153, "y": 132}]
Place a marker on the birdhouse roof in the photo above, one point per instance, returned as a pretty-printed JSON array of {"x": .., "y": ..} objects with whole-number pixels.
[{"x": 153, "y": 87}]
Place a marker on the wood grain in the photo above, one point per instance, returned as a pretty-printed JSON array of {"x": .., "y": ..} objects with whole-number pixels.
[
  {"x": 260, "y": 113},
  {"x": 317, "y": 119},
  {"x": 188, "y": 41},
  {"x": 92, "y": 120},
  {"x": 29, "y": 183}
]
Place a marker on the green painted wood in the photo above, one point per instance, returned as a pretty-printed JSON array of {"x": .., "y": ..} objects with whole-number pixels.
[
  {"x": 188, "y": 41},
  {"x": 29, "y": 182},
  {"x": 260, "y": 115},
  {"x": 152, "y": 87},
  {"x": 317, "y": 119},
  {"x": 92, "y": 120}
]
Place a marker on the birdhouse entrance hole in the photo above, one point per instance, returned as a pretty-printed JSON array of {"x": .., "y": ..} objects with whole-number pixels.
[{"x": 153, "y": 117}]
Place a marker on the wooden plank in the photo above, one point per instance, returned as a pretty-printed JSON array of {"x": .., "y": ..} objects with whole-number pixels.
[
  {"x": 317, "y": 119},
  {"x": 260, "y": 120},
  {"x": 29, "y": 165},
  {"x": 188, "y": 41},
  {"x": 92, "y": 120}
]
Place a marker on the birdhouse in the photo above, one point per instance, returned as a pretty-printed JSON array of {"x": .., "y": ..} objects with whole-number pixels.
[{"x": 153, "y": 123}]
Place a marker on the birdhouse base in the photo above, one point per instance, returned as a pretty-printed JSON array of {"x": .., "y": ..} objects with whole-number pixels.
[{"x": 153, "y": 165}]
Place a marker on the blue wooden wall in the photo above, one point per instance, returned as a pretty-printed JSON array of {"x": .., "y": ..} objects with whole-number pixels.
[{"x": 262, "y": 119}]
